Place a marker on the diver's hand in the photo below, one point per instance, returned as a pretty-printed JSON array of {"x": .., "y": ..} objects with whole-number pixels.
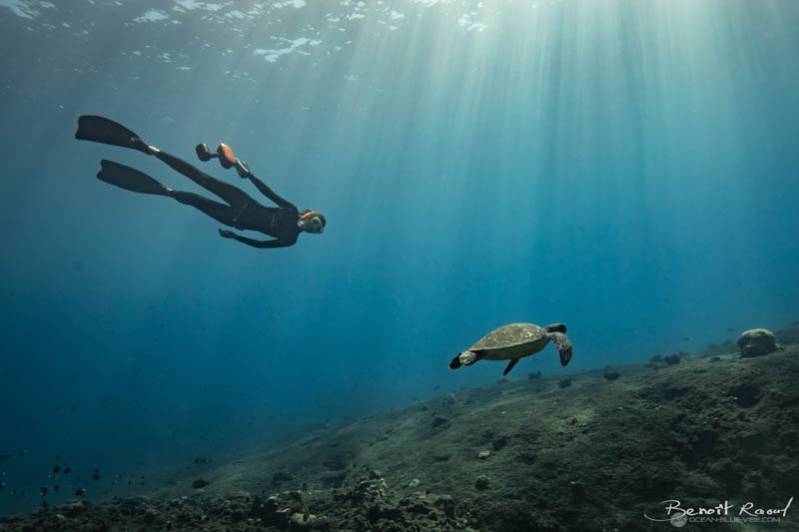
[
  {"x": 224, "y": 233},
  {"x": 242, "y": 169}
]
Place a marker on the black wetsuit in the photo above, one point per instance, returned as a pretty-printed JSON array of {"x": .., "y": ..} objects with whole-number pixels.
[{"x": 240, "y": 210}]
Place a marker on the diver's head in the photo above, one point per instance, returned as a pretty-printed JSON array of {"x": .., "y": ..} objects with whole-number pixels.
[{"x": 311, "y": 221}]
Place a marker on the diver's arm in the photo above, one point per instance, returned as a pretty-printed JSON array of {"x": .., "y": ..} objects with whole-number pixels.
[
  {"x": 244, "y": 171},
  {"x": 269, "y": 193},
  {"x": 262, "y": 244}
]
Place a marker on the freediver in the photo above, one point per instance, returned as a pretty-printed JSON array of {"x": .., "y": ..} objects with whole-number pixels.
[{"x": 284, "y": 223}]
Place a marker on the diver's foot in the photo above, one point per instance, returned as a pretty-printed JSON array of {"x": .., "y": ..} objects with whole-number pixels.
[{"x": 143, "y": 147}]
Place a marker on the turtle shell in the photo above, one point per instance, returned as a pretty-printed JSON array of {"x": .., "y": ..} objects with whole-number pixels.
[{"x": 510, "y": 341}]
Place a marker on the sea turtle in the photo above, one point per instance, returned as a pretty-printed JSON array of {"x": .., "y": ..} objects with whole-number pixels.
[{"x": 514, "y": 341}]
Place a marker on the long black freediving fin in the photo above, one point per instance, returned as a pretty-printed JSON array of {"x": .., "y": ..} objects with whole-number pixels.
[
  {"x": 106, "y": 131},
  {"x": 129, "y": 178}
]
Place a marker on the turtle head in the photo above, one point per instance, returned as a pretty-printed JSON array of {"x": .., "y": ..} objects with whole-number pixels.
[
  {"x": 556, "y": 327},
  {"x": 564, "y": 346},
  {"x": 466, "y": 358}
]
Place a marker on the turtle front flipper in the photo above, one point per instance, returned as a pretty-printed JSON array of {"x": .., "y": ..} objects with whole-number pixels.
[
  {"x": 510, "y": 366},
  {"x": 564, "y": 347}
]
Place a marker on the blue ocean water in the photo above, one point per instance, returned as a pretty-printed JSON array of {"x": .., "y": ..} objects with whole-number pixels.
[{"x": 628, "y": 168}]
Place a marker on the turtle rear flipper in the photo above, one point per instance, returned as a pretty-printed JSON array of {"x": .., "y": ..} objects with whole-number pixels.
[{"x": 510, "y": 366}]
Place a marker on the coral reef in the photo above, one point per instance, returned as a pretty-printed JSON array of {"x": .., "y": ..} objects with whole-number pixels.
[{"x": 527, "y": 454}]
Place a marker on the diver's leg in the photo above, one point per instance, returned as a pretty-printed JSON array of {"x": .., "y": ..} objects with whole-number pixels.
[
  {"x": 129, "y": 178},
  {"x": 233, "y": 195},
  {"x": 218, "y": 211}
]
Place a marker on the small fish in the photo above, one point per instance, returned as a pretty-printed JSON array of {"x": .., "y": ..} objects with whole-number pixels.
[
  {"x": 67, "y": 470},
  {"x": 55, "y": 487},
  {"x": 96, "y": 476},
  {"x": 80, "y": 491},
  {"x": 43, "y": 491},
  {"x": 56, "y": 469}
]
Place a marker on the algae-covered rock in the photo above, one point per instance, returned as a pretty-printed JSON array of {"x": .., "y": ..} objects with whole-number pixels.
[
  {"x": 369, "y": 491},
  {"x": 369, "y": 506},
  {"x": 438, "y": 421},
  {"x": 300, "y": 521},
  {"x": 499, "y": 443},
  {"x": 282, "y": 476},
  {"x": 746, "y": 394},
  {"x": 199, "y": 484},
  {"x": 757, "y": 342}
]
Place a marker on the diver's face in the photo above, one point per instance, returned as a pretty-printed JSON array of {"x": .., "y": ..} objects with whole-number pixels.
[{"x": 312, "y": 225}]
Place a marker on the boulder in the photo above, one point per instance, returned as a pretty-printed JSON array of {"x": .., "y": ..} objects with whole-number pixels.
[{"x": 757, "y": 342}]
